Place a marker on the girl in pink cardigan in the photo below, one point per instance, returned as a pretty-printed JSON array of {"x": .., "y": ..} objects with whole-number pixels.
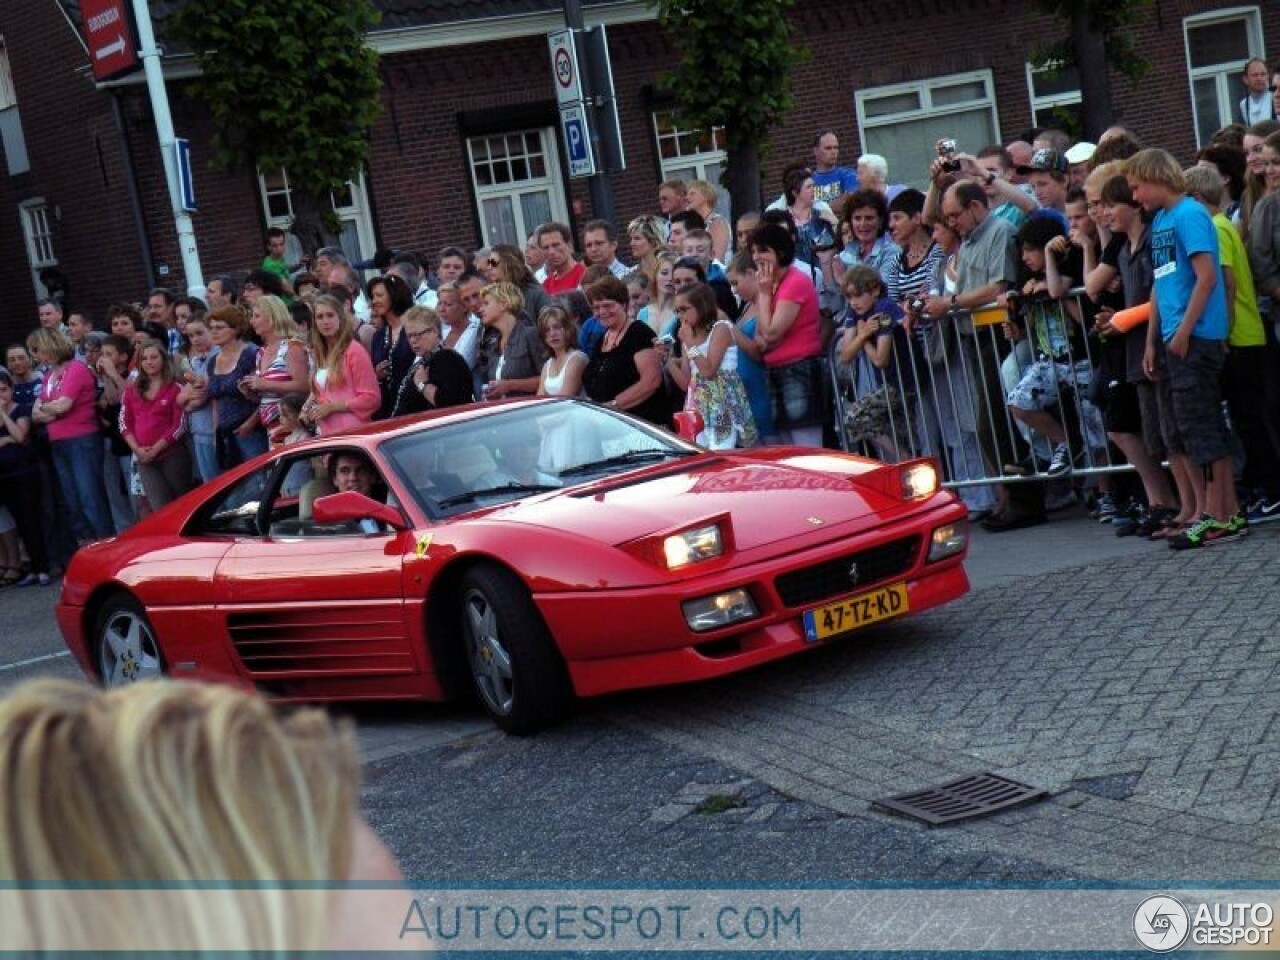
[{"x": 344, "y": 386}]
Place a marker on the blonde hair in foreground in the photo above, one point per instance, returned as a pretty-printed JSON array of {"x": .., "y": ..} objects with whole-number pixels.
[{"x": 170, "y": 783}]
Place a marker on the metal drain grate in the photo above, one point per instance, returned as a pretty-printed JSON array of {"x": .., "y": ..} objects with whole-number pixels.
[{"x": 974, "y": 796}]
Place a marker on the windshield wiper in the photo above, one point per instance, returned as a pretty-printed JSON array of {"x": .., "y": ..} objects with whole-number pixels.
[
  {"x": 629, "y": 458},
  {"x": 512, "y": 487}
]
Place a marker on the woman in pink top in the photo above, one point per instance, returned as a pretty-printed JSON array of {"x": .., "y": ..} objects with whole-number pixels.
[
  {"x": 68, "y": 407},
  {"x": 153, "y": 424},
  {"x": 344, "y": 387},
  {"x": 789, "y": 332}
]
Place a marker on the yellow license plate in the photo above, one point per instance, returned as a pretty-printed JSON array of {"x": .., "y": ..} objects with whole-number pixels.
[{"x": 856, "y": 611}]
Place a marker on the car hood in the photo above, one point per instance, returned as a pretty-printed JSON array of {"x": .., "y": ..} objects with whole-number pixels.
[{"x": 768, "y": 497}]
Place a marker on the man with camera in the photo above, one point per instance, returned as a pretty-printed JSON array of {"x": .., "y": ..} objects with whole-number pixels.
[{"x": 985, "y": 268}]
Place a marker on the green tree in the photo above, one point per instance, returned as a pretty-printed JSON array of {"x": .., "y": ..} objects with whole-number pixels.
[
  {"x": 288, "y": 84},
  {"x": 1099, "y": 39},
  {"x": 736, "y": 59}
]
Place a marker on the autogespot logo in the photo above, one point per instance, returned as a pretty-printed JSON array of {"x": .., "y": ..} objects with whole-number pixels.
[{"x": 1161, "y": 923}]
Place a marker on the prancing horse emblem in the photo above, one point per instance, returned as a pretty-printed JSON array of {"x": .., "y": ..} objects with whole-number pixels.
[{"x": 853, "y": 573}]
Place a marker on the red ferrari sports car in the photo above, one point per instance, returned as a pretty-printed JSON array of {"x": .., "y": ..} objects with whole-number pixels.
[{"x": 528, "y": 552}]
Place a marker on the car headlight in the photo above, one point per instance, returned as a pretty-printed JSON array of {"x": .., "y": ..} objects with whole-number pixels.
[
  {"x": 948, "y": 540},
  {"x": 919, "y": 480},
  {"x": 692, "y": 546},
  {"x": 708, "y": 613}
]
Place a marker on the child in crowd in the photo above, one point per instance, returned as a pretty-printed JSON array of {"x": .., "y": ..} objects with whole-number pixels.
[
  {"x": 1057, "y": 342},
  {"x": 873, "y": 342},
  {"x": 1188, "y": 326},
  {"x": 1248, "y": 368},
  {"x": 288, "y": 430},
  {"x": 1132, "y": 409}
]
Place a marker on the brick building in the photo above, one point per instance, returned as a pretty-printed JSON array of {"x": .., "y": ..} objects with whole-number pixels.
[{"x": 467, "y": 147}]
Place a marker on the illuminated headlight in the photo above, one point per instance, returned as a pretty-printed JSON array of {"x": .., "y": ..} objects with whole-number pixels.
[
  {"x": 920, "y": 480},
  {"x": 692, "y": 546},
  {"x": 948, "y": 540},
  {"x": 708, "y": 613}
]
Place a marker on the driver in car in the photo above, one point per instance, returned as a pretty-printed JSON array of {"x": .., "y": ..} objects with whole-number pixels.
[{"x": 352, "y": 472}]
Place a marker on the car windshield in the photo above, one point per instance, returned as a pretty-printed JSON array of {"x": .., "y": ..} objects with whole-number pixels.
[{"x": 522, "y": 450}]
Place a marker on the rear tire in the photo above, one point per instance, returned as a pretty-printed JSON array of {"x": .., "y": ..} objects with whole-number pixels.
[
  {"x": 125, "y": 649},
  {"x": 518, "y": 673}
]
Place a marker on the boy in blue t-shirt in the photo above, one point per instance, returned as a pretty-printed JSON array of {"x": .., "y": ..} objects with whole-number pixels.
[{"x": 1189, "y": 325}]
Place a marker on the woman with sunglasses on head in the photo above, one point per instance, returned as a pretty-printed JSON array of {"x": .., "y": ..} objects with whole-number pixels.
[
  {"x": 505, "y": 264},
  {"x": 390, "y": 298},
  {"x": 438, "y": 377},
  {"x": 646, "y": 236}
]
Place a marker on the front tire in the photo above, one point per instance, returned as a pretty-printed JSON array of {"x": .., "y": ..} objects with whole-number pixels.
[
  {"x": 518, "y": 672},
  {"x": 125, "y": 646}
]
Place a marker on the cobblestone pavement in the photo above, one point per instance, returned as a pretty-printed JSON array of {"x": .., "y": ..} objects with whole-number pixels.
[
  {"x": 1138, "y": 690},
  {"x": 1141, "y": 692}
]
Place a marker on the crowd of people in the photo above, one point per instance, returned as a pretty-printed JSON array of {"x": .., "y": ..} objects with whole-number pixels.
[{"x": 741, "y": 323}]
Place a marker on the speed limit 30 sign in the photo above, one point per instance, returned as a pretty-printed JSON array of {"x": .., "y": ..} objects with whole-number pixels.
[{"x": 564, "y": 67}]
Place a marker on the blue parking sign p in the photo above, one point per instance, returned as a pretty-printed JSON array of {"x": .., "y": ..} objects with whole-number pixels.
[{"x": 573, "y": 122}]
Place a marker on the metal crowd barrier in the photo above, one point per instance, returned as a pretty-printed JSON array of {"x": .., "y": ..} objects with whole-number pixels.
[{"x": 945, "y": 396}]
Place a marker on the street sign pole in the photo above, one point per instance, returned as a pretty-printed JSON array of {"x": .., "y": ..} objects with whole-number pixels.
[
  {"x": 601, "y": 191},
  {"x": 164, "y": 132}
]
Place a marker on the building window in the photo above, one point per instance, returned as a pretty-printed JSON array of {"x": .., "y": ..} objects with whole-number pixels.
[
  {"x": 1219, "y": 44},
  {"x": 903, "y": 122},
  {"x": 350, "y": 204},
  {"x": 11, "y": 139},
  {"x": 517, "y": 184},
  {"x": 1055, "y": 95},
  {"x": 38, "y": 231},
  {"x": 691, "y": 154}
]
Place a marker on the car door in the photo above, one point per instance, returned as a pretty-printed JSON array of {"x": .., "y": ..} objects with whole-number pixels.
[{"x": 310, "y": 609}]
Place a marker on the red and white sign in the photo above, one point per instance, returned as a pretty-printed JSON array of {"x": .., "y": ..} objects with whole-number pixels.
[
  {"x": 108, "y": 31},
  {"x": 564, "y": 67}
]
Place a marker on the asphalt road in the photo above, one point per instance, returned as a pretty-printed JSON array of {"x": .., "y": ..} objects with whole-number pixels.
[{"x": 661, "y": 786}]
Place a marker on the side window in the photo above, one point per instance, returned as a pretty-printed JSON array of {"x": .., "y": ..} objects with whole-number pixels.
[
  {"x": 305, "y": 479},
  {"x": 235, "y": 512}
]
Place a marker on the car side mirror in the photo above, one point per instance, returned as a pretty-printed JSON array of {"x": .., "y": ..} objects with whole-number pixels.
[{"x": 353, "y": 506}]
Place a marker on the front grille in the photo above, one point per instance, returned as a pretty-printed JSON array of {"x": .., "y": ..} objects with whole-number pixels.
[{"x": 832, "y": 578}]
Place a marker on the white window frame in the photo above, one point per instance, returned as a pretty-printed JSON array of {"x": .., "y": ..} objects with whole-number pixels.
[
  {"x": 357, "y": 212},
  {"x": 1049, "y": 101},
  {"x": 37, "y": 230},
  {"x": 1227, "y": 74},
  {"x": 8, "y": 93},
  {"x": 13, "y": 145},
  {"x": 551, "y": 181},
  {"x": 707, "y": 165},
  {"x": 924, "y": 89}
]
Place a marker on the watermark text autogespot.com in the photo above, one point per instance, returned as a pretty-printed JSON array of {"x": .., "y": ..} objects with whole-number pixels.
[{"x": 613, "y": 923}]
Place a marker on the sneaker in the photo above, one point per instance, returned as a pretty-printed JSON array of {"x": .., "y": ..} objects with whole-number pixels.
[
  {"x": 1055, "y": 500},
  {"x": 1157, "y": 518},
  {"x": 1129, "y": 521},
  {"x": 1263, "y": 510},
  {"x": 1105, "y": 508},
  {"x": 1060, "y": 462},
  {"x": 1196, "y": 535}
]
